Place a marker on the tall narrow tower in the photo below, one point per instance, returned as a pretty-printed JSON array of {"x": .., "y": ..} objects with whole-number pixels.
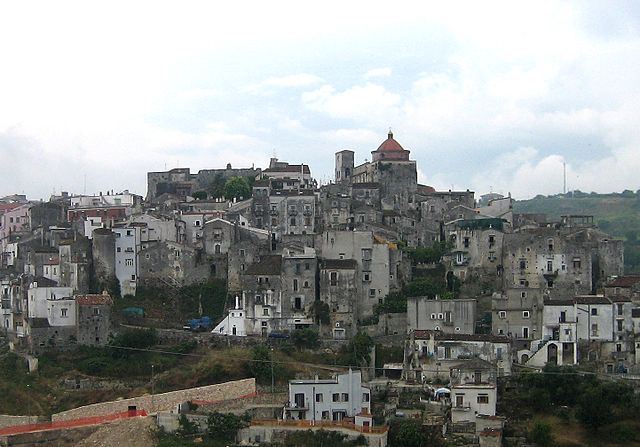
[{"x": 344, "y": 166}]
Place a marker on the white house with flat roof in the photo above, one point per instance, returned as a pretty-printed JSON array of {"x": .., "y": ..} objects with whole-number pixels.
[{"x": 330, "y": 399}]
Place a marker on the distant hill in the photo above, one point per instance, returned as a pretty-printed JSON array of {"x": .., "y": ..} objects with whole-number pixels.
[{"x": 618, "y": 214}]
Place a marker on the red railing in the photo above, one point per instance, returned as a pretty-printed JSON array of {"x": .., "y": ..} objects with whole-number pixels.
[
  {"x": 89, "y": 420},
  {"x": 319, "y": 424}
]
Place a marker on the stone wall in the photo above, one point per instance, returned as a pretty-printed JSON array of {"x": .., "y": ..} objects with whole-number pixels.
[
  {"x": 164, "y": 401},
  {"x": 7, "y": 420}
]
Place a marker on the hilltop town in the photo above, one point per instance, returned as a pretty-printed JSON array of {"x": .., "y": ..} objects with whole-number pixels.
[{"x": 436, "y": 304}]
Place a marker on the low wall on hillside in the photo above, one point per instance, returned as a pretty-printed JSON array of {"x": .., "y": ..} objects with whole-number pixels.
[
  {"x": 7, "y": 420},
  {"x": 164, "y": 401}
]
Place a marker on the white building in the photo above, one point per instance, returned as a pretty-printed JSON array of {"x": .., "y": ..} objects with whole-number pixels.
[
  {"x": 330, "y": 400},
  {"x": 39, "y": 299},
  {"x": 126, "y": 257},
  {"x": 473, "y": 391},
  {"x": 233, "y": 323}
]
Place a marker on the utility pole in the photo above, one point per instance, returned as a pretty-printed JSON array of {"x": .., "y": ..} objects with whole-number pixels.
[
  {"x": 153, "y": 388},
  {"x": 272, "y": 377},
  {"x": 28, "y": 404}
]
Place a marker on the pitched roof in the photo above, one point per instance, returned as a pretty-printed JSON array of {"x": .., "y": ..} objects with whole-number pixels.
[
  {"x": 93, "y": 299},
  {"x": 624, "y": 281},
  {"x": 473, "y": 364},
  {"x": 338, "y": 264},
  {"x": 440, "y": 336},
  {"x": 592, "y": 299},
  {"x": 268, "y": 265}
]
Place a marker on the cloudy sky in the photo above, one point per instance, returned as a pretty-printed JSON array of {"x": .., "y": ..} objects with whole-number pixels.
[{"x": 486, "y": 95}]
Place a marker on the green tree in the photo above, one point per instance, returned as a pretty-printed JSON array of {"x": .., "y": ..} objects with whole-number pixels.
[
  {"x": 305, "y": 338},
  {"x": 425, "y": 287},
  {"x": 320, "y": 311},
  {"x": 260, "y": 364},
  {"x": 409, "y": 433},
  {"x": 359, "y": 349},
  {"x": 224, "y": 426},
  {"x": 237, "y": 188},
  {"x": 199, "y": 195}
]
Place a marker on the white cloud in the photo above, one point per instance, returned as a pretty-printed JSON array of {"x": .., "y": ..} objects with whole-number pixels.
[
  {"x": 369, "y": 103},
  {"x": 267, "y": 86},
  {"x": 378, "y": 73}
]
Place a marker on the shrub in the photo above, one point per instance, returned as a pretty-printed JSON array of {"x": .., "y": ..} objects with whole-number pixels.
[{"x": 541, "y": 434}]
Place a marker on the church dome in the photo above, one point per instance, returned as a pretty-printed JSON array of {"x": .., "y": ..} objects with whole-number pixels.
[{"x": 390, "y": 149}]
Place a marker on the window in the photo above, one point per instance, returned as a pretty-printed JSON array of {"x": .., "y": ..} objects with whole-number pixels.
[
  {"x": 242, "y": 252},
  {"x": 620, "y": 308},
  {"x": 118, "y": 250},
  {"x": 483, "y": 398},
  {"x": 618, "y": 347},
  {"x": 433, "y": 316},
  {"x": 523, "y": 294},
  {"x": 525, "y": 314},
  {"x": 335, "y": 397},
  {"x": 502, "y": 314},
  {"x": 318, "y": 397},
  {"x": 306, "y": 266},
  {"x": 265, "y": 311},
  {"x": 523, "y": 264},
  {"x": 466, "y": 242},
  {"x": 594, "y": 329},
  {"x": 63, "y": 313},
  {"x": 333, "y": 278},
  {"x": 372, "y": 292},
  {"x": 550, "y": 244},
  {"x": 366, "y": 277},
  {"x": 96, "y": 311},
  {"x": 297, "y": 303},
  {"x": 594, "y": 311},
  {"x": 577, "y": 264},
  {"x": 498, "y": 353},
  {"x": 292, "y": 221},
  {"x": 196, "y": 223},
  {"x": 345, "y": 397},
  {"x": 525, "y": 332},
  {"x": 365, "y": 397},
  {"x": 550, "y": 283},
  {"x": 129, "y": 262},
  {"x": 549, "y": 266},
  {"x": 306, "y": 284},
  {"x": 459, "y": 400},
  {"x": 619, "y": 323},
  {"x": 440, "y": 316},
  {"x": 492, "y": 240},
  {"x": 295, "y": 285},
  {"x": 133, "y": 277}
]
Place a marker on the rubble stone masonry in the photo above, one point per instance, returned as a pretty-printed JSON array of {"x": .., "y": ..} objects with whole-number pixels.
[{"x": 164, "y": 401}]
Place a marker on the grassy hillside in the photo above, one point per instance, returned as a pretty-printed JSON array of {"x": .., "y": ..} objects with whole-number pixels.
[{"x": 618, "y": 214}]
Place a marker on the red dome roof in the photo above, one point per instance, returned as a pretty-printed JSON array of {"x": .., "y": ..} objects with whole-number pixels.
[
  {"x": 390, "y": 149},
  {"x": 390, "y": 145}
]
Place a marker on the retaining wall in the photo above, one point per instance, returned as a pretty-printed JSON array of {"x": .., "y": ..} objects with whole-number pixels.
[{"x": 164, "y": 401}]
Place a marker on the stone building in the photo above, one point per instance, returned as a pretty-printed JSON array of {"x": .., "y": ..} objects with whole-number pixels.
[
  {"x": 378, "y": 264},
  {"x": 172, "y": 264},
  {"x": 231, "y": 248},
  {"x": 449, "y": 316},
  {"x": 339, "y": 290},
  {"x": 93, "y": 319},
  {"x": 181, "y": 182}
]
